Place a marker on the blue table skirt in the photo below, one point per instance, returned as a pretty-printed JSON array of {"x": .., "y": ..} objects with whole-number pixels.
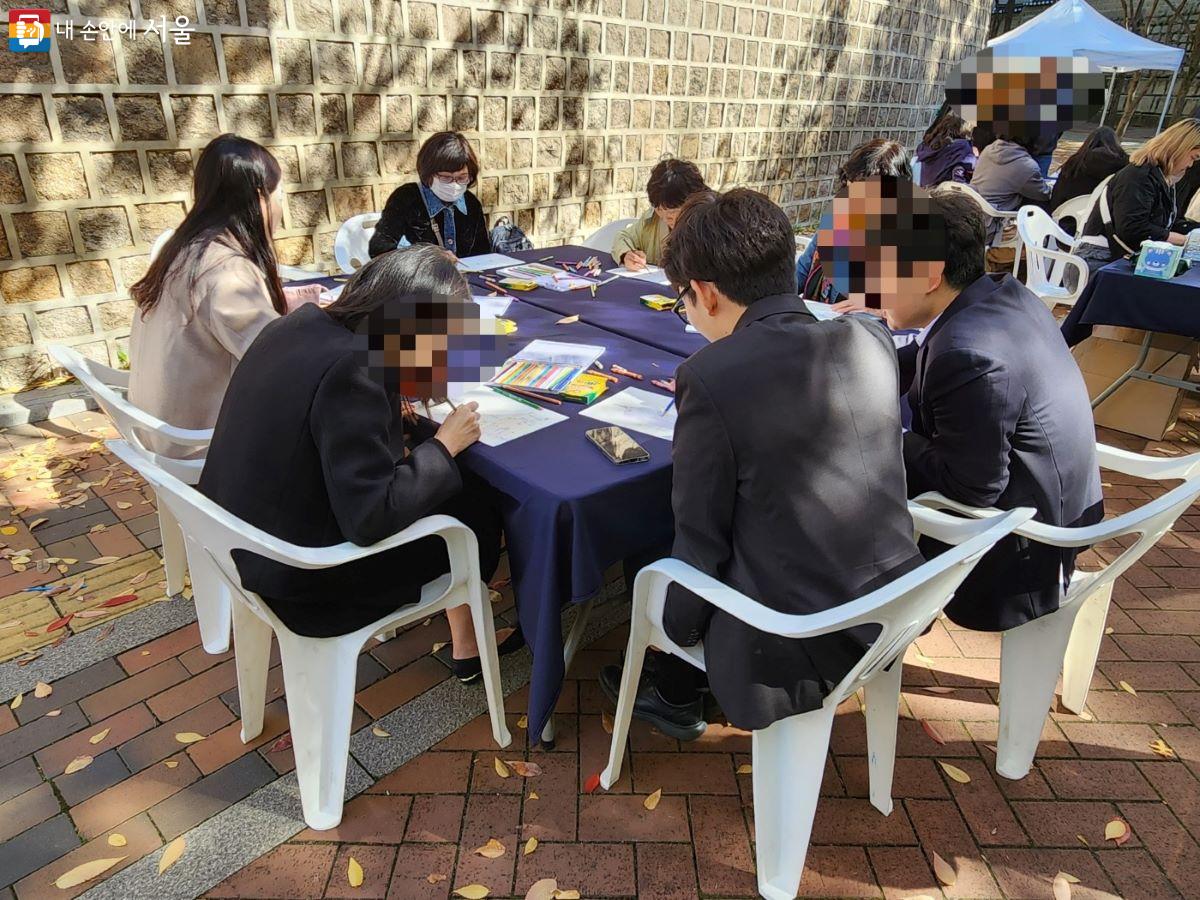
[
  {"x": 615, "y": 307},
  {"x": 1115, "y": 296},
  {"x": 569, "y": 514}
]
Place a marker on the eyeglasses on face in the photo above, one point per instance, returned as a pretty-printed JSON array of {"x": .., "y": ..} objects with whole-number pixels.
[
  {"x": 451, "y": 178},
  {"x": 680, "y": 308}
]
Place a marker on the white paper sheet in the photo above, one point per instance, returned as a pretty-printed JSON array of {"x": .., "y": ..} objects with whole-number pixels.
[
  {"x": 653, "y": 274},
  {"x": 560, "y": 353},
  {"x": 328, "y": 296},
  {"x": 500, "y": 419},
  {"x": 822, "y": 312},
  {"x": 485, "y": 261},
  {"x": 636, "y": 410},
  {"x": 492, "y": 307}
]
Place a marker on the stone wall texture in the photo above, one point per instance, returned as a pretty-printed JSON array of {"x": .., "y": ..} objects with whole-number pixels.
[{"x": 569, "y": 104}]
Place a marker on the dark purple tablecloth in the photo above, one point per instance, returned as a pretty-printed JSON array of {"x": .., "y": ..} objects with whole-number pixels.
[
  {"x": 1115, "y": 296},
  {"x": 568, "y": 512},
  {"x": 615, "y": 307}
]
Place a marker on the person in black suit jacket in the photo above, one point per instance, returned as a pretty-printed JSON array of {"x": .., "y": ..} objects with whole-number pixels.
[
  {"x": 439, "y": 208},
  {"x": 788, "y": 480},
  {"x": 311, "y": 446},
  {"x": 1001, "y": 416}
]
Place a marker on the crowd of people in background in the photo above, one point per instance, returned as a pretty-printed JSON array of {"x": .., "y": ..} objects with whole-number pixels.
[{"x": 311, "y": 448}]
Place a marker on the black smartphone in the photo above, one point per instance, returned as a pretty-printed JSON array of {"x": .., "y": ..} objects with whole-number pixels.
[{"x": 618, "y": 446}]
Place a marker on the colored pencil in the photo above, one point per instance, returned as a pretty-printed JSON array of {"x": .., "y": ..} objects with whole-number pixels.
[
  {"x": 504, "y": 393},
  {"x": 534, "y": 396},
  {"x": 668, "y": 407}
]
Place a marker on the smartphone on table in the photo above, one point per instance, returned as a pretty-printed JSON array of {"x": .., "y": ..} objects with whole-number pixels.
[{"x": 618, "y": 446}]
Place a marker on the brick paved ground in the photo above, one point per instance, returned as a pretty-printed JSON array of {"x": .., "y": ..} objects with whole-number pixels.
[{"x": 415, "y": 830}]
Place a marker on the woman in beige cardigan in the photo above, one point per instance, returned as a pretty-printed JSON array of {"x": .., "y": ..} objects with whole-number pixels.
[{"x": 211, "y": 289}]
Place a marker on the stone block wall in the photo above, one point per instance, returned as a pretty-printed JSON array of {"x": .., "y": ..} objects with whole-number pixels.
[{"x": 569, "y": 103}]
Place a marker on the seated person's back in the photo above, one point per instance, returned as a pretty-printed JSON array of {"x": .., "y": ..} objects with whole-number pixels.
[
  {"x": 788, "y": 480},
  {"x": 1000, "y": 414},
  {"x": 1007, "y": 176}
]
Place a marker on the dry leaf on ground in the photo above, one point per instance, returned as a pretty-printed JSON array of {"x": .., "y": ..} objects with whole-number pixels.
[
  {"x": 606, "y": 722},
  {"x": 955, "y": 772},
  {"x": 354, "y": 873},
  {"x": 524, "y": 769},
  {"x": 1162, "y": 749},
  {"x": 436, "y": 878},
  {"x": 744, "y": 769},
  {"x": 567, "y": 895},
  {"x": 652, "y": 801},
  {"x": 1062, "y": 887},
  {"x": 99, "y": 736},
  {"x": 171, "y": 855},
  {"x": 17, "y": 700},
  {"x": 533, "y": 795},
  {"x": 85, "y": 872},
  {"x": 545, "y": 889},
  {"x": 116, "y": 839},
  {"x": 530, "y": 845},
  {"x": 501, "y": 768},
  {"x": 188, "y": 737},
  {"x": 41, "y": 689},
  {"x": 103, "y": 560},
  {"x": 77, "y": 764},
  {"x": 171, "y": 763},
  {"x": 1117, "y": 830},
  {"x": 284, "y": 743},
  {"x": 932, "y": 732},
  {"x": 523, "y": 722},
  {"x": 493, "y": 849},
  {"x": 380, "y": 732},
  {"x": 471, "y": 892},
  {"x": 944, "y": 871},
  {"x": 54, "y": 714},
  {"x": 938, "y": 689},
  {"x": 1125, "y": 686}
]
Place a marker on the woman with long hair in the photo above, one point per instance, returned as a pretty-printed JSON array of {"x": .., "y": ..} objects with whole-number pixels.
[
  {"x": 1139, "y": 202},
  {"x": 946, "y": 153},
  {"x": 313, "y": 445},
  {"x": 1098, "y": 157},
  {"x": 439, "y": 207},
  {"x": 211, "y": 289}
]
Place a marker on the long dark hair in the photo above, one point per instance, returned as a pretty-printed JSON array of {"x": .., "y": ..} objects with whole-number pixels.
[
  {"x": 946, "y": 130},
  {"x": 420, "y": 270},
  {"x": 1104, "y": 140},
  {"x": 233, "y": 177}
]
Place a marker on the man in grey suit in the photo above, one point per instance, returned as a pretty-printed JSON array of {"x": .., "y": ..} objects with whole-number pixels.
[{"x": 788, "y": 480}]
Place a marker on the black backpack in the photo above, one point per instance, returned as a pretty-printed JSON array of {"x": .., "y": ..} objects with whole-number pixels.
[{"x": 507, "y": 237}]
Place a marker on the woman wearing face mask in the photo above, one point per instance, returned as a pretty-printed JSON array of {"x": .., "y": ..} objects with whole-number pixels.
[
  {"x": 438, "y": 208},
  {"x": 1139, "y": 202},
  {"x": 211, "y": 289},
  {"x": 313, "y": 446}
]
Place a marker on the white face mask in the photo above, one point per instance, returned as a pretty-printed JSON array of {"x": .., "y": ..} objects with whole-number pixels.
[{"x": 447, "y": 191}]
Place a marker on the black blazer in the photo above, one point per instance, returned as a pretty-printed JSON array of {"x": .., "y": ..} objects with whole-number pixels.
[
  {"x": 1001, "y": 418},
  {"x": 1142, "y": 205},
  {"x": 306, "y": 448},
  {"x": 405, "y": 216},
  {"x": 788, "y": 486}
]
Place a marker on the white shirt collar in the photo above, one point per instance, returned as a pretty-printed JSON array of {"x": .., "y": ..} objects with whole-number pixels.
[{"x": 924, "y": 332}]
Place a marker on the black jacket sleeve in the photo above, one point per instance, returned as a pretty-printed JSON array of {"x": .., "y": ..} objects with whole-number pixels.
[
  {"x": 1138, "y": 210},
  {"x": 478, "y": 241},
  {"x": 971, "y": 407},
  {"x": 704, "y": 487},
  {"x": 371, "y": 493},
  {"x": 395, "y": 221}
]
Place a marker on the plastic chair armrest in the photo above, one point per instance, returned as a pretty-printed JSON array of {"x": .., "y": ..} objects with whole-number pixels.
[
  {"x": 1053, "y": 535},
  {"x": 1149, "y": 467},
  {"x": 339, "y": 554}
]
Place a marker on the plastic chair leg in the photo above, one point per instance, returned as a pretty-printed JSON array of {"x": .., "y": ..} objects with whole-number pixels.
[
  {"x": 489, "y": 658},
  {"x": 631, "y": 674},
  {"x": 1084, "y": 647},
  {"x": 211, "y": 597},
  {"x": 883, "y": 709},
  {"x": 789, "y": 760},
  {"x": 252, "y": 658},
  {"x": 1031, "y": 656},
  {"x": 318, "y": 675},
  {"x": 174, "y": 552}
]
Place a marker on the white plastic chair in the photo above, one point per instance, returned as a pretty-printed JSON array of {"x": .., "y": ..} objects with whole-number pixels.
[
  {"x": 106, "y": 386},
  {"x": 602, "y": 238},
  {"x": 1068, "y": 639},
  {"x": 1046, "y": 265},
  {"x": 351, "y": 247},
  {"x": 789, "y": 755},
  {"x": 319, "y": 673},
  {"x": 1006, "y": 217},
  {"x": 157, "y": 246},
  {"x": 1077, "y": 209}
]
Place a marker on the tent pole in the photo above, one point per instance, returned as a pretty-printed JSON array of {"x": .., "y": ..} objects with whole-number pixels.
[
  {"x": 1112, "y": 80},
  {"x": 1167, "y": 100}
]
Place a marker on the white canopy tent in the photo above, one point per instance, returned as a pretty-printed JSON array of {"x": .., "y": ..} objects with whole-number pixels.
[{"x": 1072, "y": 28}]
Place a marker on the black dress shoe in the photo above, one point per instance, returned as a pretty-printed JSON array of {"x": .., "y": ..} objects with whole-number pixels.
[
  {"x": 684, "y": 723},
  {"x": 470, "y": 669}
]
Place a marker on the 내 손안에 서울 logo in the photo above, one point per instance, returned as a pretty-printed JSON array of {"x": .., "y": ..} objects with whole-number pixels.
[{"x": 29, "y": 30}]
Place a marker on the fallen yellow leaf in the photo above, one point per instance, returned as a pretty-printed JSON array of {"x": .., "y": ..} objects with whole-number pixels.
[
  {"x": 744, "y": 769},
  {"x": 1116, "y": 830},
  {"x": 117, "y": 839},
  {"x": 85, "y": 872},
  {"x": 1162, "y": 749},
  {"x": 103, "y": 560},
  {"x": 9, "y": 530},
  {"x": 36, "y": 522},
  {"x": 16, "y": 701},
  {"x": 524, "y": 769},
  {"x": 171, "y": 855},
  {"x": 171, "y": 763},
  {"x": 523, "y": 722},
  {"x": 435, "y": 878},
  {"x": 99, "y": 736},
  {"x": 493, "y": 849},
  {"x": 54, "y": 714},
  {"x": 1086, "y": 716},
  {"x": 533, "y": 795},
  {"x": 124, "y": 505},
  {"x": 544, "y": 889},
  {"x": 354, "y": 873},
  {"x": 530, "y": 845},
  {"x": 1083, "y": 840},
  {"x": 1062, "y": 887},
  {"x": 566, "y": 895},
  {"x": 955, "y": 772},
  {"x": 944, "y": 871},
  {"x": 652, "y": 801},
  {"x": 472, "y": 892},
  {"x": 438, "y": 646},
  {"x": 501, "y": 768},
  {"x": 1124, "y": 685},
  {"x": 41, "y": 689},
  {"x": 1068, "y": 877},
  {"x": 77, "y": 764},
  {"x": 188, "y": 737},
  {"x": 380, "y": 732}
]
